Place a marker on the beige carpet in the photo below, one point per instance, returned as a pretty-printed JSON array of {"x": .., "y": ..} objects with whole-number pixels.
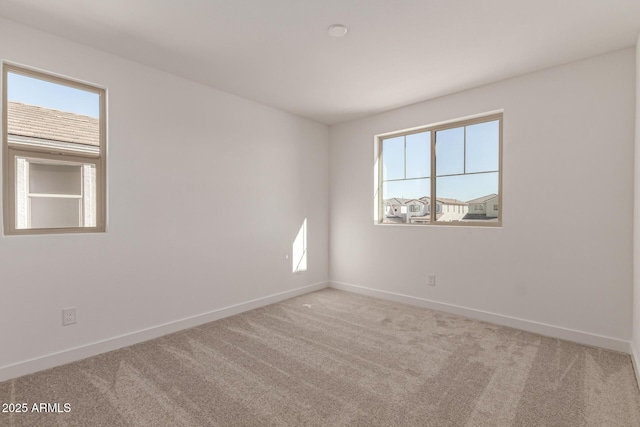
[{"x": 333, "y": 358}]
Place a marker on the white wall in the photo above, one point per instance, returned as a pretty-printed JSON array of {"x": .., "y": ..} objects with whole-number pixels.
[
  {"x": 206, "y": 193},
  {"x": 568, "y": 141},
  {"x": 635, "y": 340}
]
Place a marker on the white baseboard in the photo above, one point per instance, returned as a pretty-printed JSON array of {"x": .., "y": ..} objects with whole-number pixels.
[
  {"x": 92, "y": 349},
  {"x": 513, "y": 322},
  {"x": 635, "y": 361}
]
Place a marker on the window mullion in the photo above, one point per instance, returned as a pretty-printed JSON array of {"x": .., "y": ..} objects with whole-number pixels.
[
  {"x": 464, "y": 149},
  {"x": 433, "y": 209},
  {"x": 405, "y": 156}
]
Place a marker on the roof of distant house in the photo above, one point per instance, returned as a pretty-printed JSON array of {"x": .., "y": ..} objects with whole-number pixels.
[
  {"x": 483, "y": 198},
  {"x": 450, "y": 201},
  {"x": 38, "y": 122},
  {"x": 425, "y": 200},
  {"x": 395, "y": 200}
]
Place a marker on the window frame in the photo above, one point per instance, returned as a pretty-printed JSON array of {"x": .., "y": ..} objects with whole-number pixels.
[
  {"x": 433, "y": 129},
  {"x": 51, "y": 153}
]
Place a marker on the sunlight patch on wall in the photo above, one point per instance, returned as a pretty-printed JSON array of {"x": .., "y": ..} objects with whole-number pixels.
[{"x": 299, "y": 249}]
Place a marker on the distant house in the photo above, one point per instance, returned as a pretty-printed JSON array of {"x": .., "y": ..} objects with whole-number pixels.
[
  {"x": 483, "y": 208},
  {"x": 392, "y": 208},
  {"x": 451, "y": 209},
  {"x": 399, "y": 210}
]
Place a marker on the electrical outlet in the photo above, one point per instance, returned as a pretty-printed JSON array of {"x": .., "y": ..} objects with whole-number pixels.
[
  {"x": 431, "y": 280},
  {"x": 68, "y": 316}
]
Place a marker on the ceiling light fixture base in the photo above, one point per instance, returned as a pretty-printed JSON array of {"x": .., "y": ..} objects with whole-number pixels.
[{"x": 337, "y": 30}]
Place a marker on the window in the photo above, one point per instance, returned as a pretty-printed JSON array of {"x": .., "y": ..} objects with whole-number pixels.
[
  {"x": 53, "y": 154},
  {"x": 456, "y": 165}
]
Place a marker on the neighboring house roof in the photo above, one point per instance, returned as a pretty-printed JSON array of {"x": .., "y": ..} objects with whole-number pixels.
[
  {"x": 45, "y": 123},
  {"x": 424, "y": 200},
  {"x": 399, "y": 201},
  {"x": 394, "y": 201},
  {"x": 483, "y": 199},
  {"x": 450, "y": 201}
]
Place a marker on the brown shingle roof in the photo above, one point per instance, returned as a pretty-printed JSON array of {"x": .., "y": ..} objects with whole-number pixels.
[{"x": 45, "y": 123}]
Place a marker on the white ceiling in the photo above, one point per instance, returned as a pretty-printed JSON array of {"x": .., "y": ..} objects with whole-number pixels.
[{"x": 397, "y": 52}]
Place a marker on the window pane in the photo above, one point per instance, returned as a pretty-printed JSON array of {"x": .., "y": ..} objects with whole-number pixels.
[
  {"x": 450, "y": 151},
  {"x": 33, "y": 91},
  {"x": 405, "y": 201},
  {"x": 54, "y": 212},
  {"x": 483, "y": 147},
  {"x": 418, "y": 155},
  {"x": 42, "y": 186},
  {"x": 393, "y": 158},
  {"x": 55, "y": 179},
  {"x": 478, "y": 194},
  {"x": 45, "y": 114}
]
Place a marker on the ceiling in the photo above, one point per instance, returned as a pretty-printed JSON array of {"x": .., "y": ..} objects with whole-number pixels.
[{"x": 397, "y": 52}]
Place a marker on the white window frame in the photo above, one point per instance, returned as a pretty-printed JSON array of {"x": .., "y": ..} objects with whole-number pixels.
[
  {"x": 51, "y": 153},
  {"x": 433, "y": 129}
]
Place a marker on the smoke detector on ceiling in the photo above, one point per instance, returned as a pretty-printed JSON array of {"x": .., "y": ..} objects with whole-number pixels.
[{"x": 337, "y": 30}]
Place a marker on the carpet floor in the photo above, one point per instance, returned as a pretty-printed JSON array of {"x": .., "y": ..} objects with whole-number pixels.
[{"x": 333, "y": 358}]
